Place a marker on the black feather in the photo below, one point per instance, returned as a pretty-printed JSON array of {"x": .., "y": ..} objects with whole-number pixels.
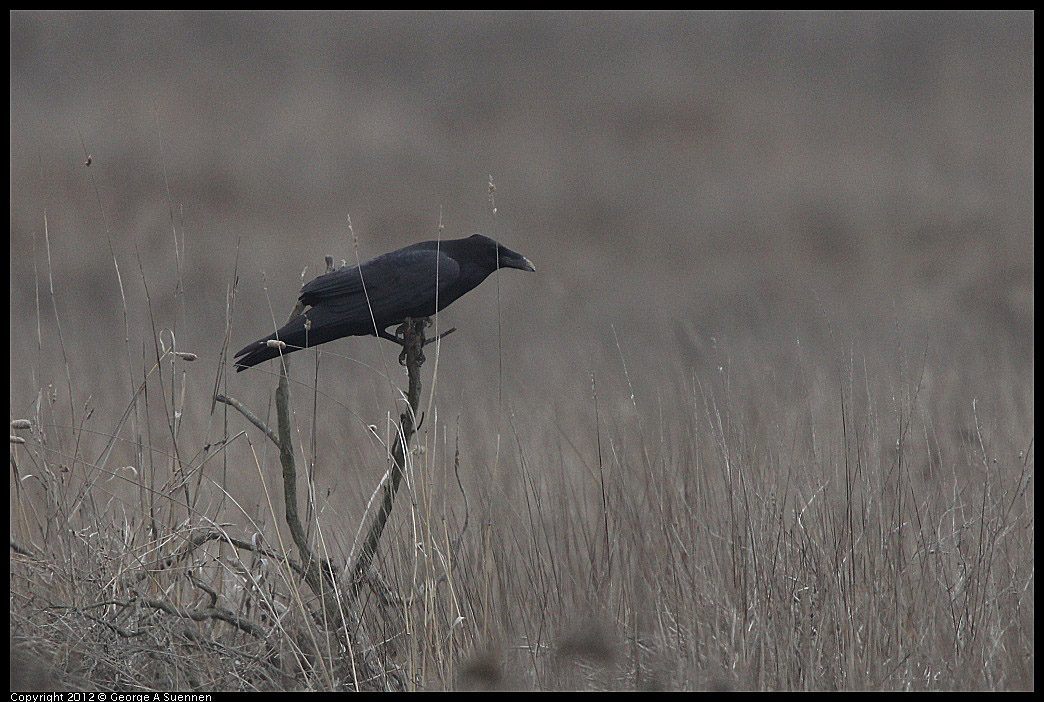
[{"x": 416, "y": 281}]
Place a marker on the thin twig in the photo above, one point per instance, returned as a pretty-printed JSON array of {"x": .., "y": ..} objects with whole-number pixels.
[
  {"x": 204, "y": 613},
  {"x": 251, "y": 417},
  {"x": 286, "y": 458},
  {"x": 201, "y": 538},
  {"x": 412, "y": 334}
]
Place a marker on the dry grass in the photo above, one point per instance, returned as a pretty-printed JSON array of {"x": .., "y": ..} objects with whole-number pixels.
[
  {"x": 843, "y": 536},
  {"x": 762, "y": 420}
]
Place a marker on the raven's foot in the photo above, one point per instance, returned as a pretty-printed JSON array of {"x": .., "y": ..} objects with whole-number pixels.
[
  {"x": 419, "y": 326},
  {"x": 412, "y": 328}
]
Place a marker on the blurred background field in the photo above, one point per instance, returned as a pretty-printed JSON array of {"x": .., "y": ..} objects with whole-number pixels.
[{"x": 763, "y": 418}]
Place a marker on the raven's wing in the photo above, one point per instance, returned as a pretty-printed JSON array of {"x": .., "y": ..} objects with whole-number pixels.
[
  {"x": 342, "y": 282},
  {"x": 383, "y": 291}
]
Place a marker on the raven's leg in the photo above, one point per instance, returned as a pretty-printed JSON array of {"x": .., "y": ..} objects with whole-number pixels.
[
  {"x": 397, "y": 338},
  {"x": 400, "y": 334},
  {"x": 400, "y": 338},
  {"x": 419, "y": 326}
]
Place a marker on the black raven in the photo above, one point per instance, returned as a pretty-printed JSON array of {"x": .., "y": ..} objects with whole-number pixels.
[{"x": 362, "y": 300}]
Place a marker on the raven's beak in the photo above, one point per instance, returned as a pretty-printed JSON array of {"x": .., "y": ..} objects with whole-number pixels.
[{"x": 510, "y": 259}]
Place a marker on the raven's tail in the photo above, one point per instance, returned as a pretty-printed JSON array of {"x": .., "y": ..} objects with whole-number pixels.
[
  {"x": 314, "y": 327},
  {"x": 259, "y": 352},
  {"x": 293, "y": 336}
]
